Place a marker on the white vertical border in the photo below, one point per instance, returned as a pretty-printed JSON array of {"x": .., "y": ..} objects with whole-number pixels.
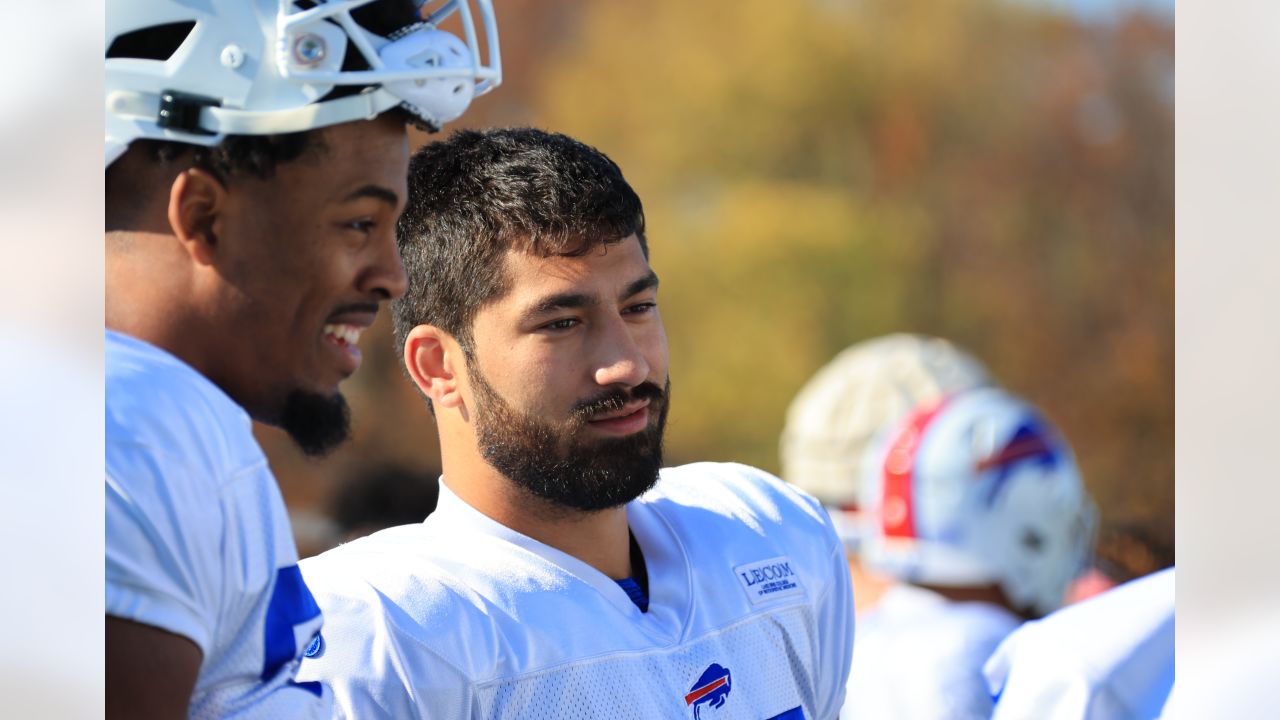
[
  {"x": 51, "y": 314},
  {"x": 1228, "y": 357}
]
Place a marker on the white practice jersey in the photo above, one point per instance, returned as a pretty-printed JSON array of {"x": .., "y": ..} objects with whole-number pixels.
[
  {"x": 198, "y": 541},
  {"x": 919, "y": 656},
  {"x": 1107, "y": 658},
  {"x": 750, "y": 613}
]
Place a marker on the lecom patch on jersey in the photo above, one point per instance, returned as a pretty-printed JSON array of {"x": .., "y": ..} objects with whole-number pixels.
[{"x": 769, "y": 579}]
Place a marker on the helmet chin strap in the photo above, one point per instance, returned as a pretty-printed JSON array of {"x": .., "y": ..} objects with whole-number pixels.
[{"x": 362, "y": 106}]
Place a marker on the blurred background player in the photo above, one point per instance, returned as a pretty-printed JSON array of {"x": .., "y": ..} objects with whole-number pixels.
[
  {"x": 928, "y": 615},
  {"x": 256, "y": 159},
  {"x": 974, "y": 505},
  {"x": 833, "y": 420},
  {"x": 1108, "y": 658}
]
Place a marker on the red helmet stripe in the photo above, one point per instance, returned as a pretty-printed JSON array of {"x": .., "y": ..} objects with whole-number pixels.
[{"x": 896, "y": 512}]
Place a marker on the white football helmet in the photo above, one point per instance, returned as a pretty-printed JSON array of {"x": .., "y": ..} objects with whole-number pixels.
[
  {"x": 259, "y": 67},
  {"x": 866, "y": 388},
  {"x": 978, "y": 488}
]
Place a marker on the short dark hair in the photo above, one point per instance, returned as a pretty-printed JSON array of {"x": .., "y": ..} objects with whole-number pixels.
[
  {"x": 252, "y": 155},
  {"x": 478, "y": 194}
]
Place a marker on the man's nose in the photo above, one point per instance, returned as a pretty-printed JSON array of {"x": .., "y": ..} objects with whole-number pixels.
[{"x": 623, "y": 361}]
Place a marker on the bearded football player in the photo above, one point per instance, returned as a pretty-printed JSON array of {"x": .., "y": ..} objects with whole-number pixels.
[{"x": 565, "y": 573}]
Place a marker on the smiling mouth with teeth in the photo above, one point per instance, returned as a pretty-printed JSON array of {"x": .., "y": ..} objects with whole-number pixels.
[{"x": 344, "y": 335}]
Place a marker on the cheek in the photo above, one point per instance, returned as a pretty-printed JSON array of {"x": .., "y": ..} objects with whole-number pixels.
[
  {"x": 656, "y": 352},
  {"x": 538, "y": 384},
  {"x": 542, "y": 383}
]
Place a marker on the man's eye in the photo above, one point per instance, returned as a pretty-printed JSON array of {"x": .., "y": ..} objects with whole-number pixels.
[
  {"x": 562, "y": 324},
  {"x": 363, "y": 225},
  {"x": 643, "y": 307}
]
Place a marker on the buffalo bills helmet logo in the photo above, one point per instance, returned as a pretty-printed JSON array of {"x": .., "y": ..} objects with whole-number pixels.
[{"x": 711, "y": 689}]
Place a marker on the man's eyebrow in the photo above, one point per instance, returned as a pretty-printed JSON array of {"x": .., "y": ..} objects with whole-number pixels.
[
  {"x": 648, "y": 282},
  {"x": 569, "y": 300},
  {"x": 376, "y": 192},
  {"x": 559, "y": 301}
]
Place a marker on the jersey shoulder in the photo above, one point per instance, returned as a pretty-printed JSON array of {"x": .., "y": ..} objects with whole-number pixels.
[
  {"x": 159, "y": 407},
  {"x": 741, "y": 492},
  {"x": 718, "y": 502},
  {"x": 405, "y": 586},
  {"x": 1117, "y": 645}
]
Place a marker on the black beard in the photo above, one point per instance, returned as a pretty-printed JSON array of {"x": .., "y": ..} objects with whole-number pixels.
[
  {"x": 316, "y": 423},
  {"x": 586, "y": 475}
]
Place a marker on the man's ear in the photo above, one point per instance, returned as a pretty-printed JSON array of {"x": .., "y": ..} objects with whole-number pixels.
[
  {"x": 432, "y": 357},
  {"x": 196, "y": 199}
]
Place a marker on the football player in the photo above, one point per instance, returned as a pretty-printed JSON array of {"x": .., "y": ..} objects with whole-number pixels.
[
  {"x": 975, "y": 507},
  {"x": 564, "y": 572},
  {"x": 256, "y": 158}
]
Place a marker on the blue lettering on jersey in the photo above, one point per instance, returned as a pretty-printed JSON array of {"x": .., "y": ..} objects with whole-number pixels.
[
  {"x": 711, "y": 689},
  {"x": 768, "y": 573},
  {"x": 769, "y": 579},
  {"x": 291, "y": 605},
  {"x": 794, "y": 713}
]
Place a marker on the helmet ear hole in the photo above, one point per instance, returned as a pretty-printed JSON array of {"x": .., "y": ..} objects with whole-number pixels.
[{"x": 158, "y": 42}]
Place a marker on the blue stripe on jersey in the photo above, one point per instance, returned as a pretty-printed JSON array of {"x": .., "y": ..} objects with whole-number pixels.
[
  {"x": 638, "y": 596},
  {"x": 291, "y": 604},
  {"x": 314, "y": 687},
  {"x": 794, "y": 713}
]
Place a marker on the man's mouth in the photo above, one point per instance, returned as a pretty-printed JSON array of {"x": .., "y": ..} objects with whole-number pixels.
[
  {"x": 342, "y": 333},
  {"x": 342, "y": 337},
  {"x": 630, "y": 418}
]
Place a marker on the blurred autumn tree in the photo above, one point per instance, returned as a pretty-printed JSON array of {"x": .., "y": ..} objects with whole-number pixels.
[{"x": 817, "y": 173}]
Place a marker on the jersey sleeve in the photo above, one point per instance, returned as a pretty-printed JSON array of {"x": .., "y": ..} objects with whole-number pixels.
[
  {"x": 835, "y": 635},
  {"x": 163, "y": 531},
  {"x": 373, "y": 658},
  {"x": 1109, "y": 657},
  {"x": 1043, "y": 689}
]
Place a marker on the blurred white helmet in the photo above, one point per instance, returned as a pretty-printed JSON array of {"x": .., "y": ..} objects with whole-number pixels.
[
  {"x": 195, "y": 72},
  {"x": 978, "y": 488},
  {"x": 864, "y": 390}
]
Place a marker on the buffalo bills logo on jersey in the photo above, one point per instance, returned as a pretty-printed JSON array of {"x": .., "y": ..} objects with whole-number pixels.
[{"x": 711, "y": 690}]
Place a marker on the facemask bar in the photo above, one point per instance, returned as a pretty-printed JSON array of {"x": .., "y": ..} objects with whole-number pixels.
[{"x": 291, "y": 20}]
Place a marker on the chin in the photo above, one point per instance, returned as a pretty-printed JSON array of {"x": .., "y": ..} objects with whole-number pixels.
[{"x": 317, "y": 422}]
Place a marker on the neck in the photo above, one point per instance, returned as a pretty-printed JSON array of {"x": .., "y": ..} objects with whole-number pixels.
[
  {"x": 148, "y": 289},
  {"x": 868, "y": 586},
  {"x": 599, "y": 539}
]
